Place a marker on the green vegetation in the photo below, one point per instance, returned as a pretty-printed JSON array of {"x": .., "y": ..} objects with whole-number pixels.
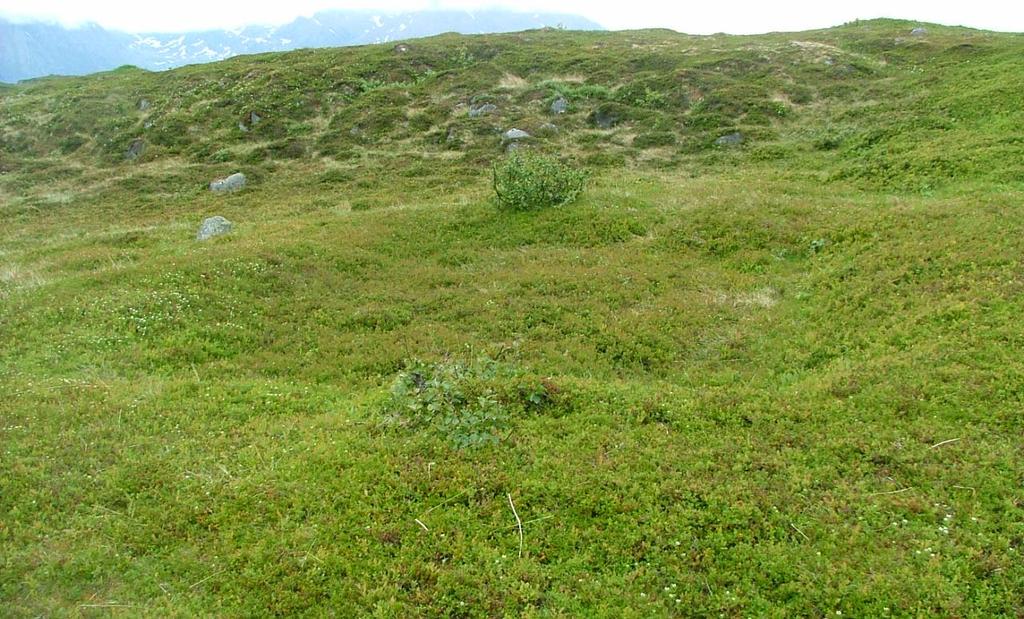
[
  {"x": 464, "y": 402},
  {"x": 780, "y": 377},
  {"x": 525, "y": 181}
]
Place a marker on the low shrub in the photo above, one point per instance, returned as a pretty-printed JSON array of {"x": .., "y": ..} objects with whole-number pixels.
[
  {"x": 526, "y": 181},
  {"x": 469, "y": 404}
]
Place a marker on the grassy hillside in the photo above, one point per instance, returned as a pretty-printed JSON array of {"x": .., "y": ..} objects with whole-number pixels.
[{"x": 777, "y": 378}]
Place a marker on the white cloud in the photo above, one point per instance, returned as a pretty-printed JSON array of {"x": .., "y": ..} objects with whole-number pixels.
[{"x": 693, "y": 17}]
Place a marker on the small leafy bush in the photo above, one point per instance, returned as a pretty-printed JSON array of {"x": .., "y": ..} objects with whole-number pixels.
[
  {"x": 469, "y": 404},
  {"x": 641, "y": 95},
  {"x": 526, "y": 181}
]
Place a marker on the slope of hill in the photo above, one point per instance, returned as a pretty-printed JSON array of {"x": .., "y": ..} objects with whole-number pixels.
[
  {"x": 29, "y": 50},
  {"x": 776, "y": 374}
]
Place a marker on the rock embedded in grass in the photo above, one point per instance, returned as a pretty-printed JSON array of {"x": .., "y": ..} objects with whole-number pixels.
[
  {"x": 232, "y": 183},
  {"x": 512, "y": 139},
  {"x": 135, "y": 149},
  {"x": 514, "y": 134},
  {"x": 731, "y": 139},
  {"x": 213, "y": 226},
  {"x": 604, "y": 119},
  {"x": 249, "y": 120},
  {"x": 480, "y": 110},
  {"x": 559, "y": 106},
  {"x": 548, "y": 129}
]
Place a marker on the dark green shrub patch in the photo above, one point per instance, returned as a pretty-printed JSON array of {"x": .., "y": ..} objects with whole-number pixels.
[
  {"x": 469, "y": 404},
  {"x": 526, "y": 181}
]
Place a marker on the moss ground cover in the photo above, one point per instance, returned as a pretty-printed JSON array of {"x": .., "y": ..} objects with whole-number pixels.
[{"x": 775, "y": 378}]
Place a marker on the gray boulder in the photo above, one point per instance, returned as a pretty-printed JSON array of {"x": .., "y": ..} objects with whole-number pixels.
[
  {"x": 559, "y": 106},
  {"x": 731, "y": 139},
  {"x": 213, "y": 226},
  {"x": 918, "y": 32},
  {"x": 231, "y": 183},
  {"x": 515, "y": 134},
  {"x": 143, "y": 104},
  {"x": 135, "y": 149},
  {"x": 480, "y": 110}
]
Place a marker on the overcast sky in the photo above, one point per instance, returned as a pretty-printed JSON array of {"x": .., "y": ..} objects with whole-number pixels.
[{"x": 695, "y": 17}]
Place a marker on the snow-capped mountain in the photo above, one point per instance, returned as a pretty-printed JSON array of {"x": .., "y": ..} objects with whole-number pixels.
[{"x": 30, "y": 50}]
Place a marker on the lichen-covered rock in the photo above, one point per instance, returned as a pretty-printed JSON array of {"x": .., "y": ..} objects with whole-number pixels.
[
  {"x": 231, "y": 183},
  {"x": 559, "y": 106},
  {"x": 213, "y": 226}
]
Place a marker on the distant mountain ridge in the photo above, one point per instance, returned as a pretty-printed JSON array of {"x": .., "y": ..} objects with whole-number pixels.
[{"x": 29, "y": 50}]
